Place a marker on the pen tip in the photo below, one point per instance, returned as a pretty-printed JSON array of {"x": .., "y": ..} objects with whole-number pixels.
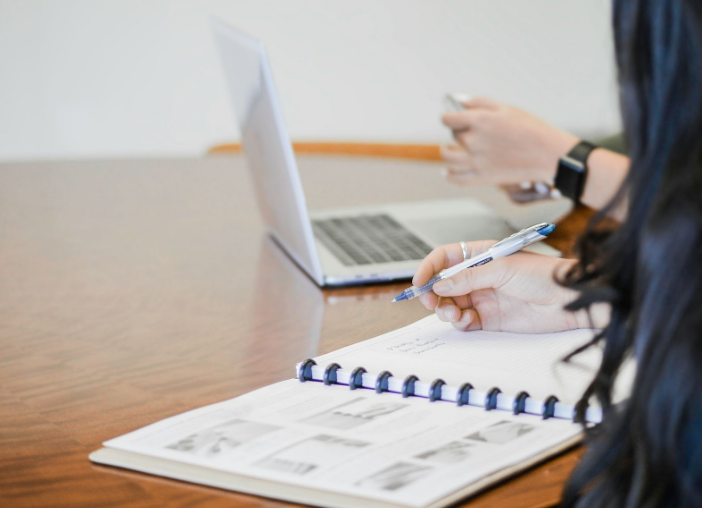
[{"x": 393, "y": 300}]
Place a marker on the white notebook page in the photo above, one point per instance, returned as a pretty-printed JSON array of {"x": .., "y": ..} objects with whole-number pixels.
[
  {"x": 358, "y": 443},
  {"x": 513, "y": 362}
]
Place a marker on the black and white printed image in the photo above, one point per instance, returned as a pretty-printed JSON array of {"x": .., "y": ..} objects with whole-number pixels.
[
  {"x": 312, "y": 454},
  {"x": 449, "y": 453},
  {"x": 220, "y": 439},
  {"x": 501, "y": 432},
  {"x": 353, "y": 413},
  {"x": 396, "y": 476}
]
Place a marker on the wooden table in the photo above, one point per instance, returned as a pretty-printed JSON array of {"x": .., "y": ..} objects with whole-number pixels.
[{"x": 131, "y": 291}]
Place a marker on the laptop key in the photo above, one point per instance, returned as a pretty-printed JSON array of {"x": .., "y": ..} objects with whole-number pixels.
[{"x": 368, "y": 239}]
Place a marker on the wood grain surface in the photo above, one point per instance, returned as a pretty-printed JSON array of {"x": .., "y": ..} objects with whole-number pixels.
[{"x": 131, "y": 291}]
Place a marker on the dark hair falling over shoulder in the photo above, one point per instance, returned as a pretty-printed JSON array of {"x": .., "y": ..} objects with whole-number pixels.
[{"x": 648, "y": 452}]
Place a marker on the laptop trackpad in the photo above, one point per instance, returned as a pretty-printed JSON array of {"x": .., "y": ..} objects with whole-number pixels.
[{"x": 442, "y": 230}]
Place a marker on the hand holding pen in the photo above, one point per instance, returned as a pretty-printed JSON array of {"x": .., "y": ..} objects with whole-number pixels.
[
  {"x": 506, "y": 247},
  {"x": 516, "y": 293}
]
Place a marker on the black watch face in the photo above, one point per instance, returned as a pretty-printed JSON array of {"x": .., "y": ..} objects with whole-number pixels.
[
  {"x": 570, "y": 178},
  {"x": 573, "y": 165}
]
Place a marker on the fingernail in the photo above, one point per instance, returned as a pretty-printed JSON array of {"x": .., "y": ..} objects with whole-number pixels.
[
  {"x": 448, "y": 314},
  {"x": 443, "y": 286}
]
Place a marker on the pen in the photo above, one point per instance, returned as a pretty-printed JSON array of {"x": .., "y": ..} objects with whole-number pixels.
[{"x": 501, "y": 249}]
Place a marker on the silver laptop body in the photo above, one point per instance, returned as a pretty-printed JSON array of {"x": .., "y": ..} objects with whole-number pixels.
[{"x": 327, "y": 244}]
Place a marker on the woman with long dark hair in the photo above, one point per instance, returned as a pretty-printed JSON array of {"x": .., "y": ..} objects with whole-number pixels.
[{"x": 641, "y": 282}]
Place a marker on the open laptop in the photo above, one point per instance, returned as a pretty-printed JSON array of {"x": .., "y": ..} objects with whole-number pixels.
[{"x": 334, "y": 247}]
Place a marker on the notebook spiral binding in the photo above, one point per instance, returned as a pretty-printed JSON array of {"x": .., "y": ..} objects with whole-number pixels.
[
  {"x": 435, "y": 389},
  {"x": 519, "y": 402},
  {"x": 491, "y": 398},
  {"x": 330, "y": 373},
  {"x": 463, "y": 396},
  {"x": 408, "y": 385},
  {"x": 381, "y": 381},
  {"x": 549, "y": 408},
  {"x": 356, "y": 380}
]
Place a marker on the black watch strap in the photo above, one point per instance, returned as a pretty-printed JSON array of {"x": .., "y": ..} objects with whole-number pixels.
[{"x": 572, "y": 171}]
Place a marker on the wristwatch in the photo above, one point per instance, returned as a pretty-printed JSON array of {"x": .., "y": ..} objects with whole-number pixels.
[{"x": 572, "y": 171}]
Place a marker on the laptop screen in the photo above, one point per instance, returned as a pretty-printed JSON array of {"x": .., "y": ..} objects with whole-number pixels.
[{"x": 266, "y": 145}]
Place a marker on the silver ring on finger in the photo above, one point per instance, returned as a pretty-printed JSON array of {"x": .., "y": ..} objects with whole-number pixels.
[{"x": 465, "y": 250}]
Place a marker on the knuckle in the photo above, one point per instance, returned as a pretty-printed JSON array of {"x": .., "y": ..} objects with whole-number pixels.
[
  {"x": 468, "y": 140},
  {"x": 454, "y": 119},
  {"x": 437, "y": 251},
  {"x": 459, "y": 326},
  {"x": 478, "y": 116},
  {"x": 428, "y": 300},
  {"x": 462, "y": 279},
  {"x": 440, "y": 314}
]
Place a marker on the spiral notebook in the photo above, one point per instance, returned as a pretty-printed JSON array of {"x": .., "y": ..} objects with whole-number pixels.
[{"x": 420, "y": 417}]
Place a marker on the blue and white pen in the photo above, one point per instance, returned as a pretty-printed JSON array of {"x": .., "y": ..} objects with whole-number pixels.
[{"x": 501, "y": 249}]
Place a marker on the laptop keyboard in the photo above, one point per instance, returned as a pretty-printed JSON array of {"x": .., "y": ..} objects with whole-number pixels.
[{"x": 369, "y": 239}]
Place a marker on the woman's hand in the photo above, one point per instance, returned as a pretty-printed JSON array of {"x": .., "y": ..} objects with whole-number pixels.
[
  {"x": 516, "y": 293},
  {"x": 502, "y": 144}
]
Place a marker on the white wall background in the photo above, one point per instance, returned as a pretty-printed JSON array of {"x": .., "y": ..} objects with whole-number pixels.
[{"x": 124, "y": 78}]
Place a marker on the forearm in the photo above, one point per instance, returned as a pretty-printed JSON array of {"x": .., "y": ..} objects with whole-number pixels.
[
  {"x": 606, "y": 172},
  {"x": 504, "y": 144}
]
